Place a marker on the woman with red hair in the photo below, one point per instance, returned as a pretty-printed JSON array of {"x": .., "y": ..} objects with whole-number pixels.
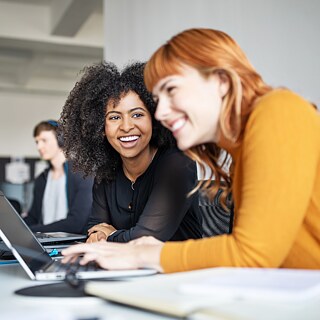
[{"x": 208, "y": 94}]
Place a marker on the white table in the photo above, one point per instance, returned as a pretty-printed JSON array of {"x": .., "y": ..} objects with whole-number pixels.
[{"x": 12, "y": 306}]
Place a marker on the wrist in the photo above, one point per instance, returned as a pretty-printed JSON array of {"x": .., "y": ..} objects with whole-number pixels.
[
  {"x": 149, "y": 256},
  {"x": 110, "y": 234}
]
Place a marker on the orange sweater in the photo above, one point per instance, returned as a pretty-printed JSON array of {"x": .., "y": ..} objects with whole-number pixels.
[{"x": 276, "y": 192}]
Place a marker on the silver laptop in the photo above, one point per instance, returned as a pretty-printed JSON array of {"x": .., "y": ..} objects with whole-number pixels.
[
  {"x": 59, "y": 237},
  {"x": 35, "y": 260}
]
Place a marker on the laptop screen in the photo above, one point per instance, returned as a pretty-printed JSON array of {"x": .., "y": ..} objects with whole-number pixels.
[{"x": 21, "y": 237}]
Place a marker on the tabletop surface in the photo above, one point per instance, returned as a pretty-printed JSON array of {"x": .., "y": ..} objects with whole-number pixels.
[{"x": 13, "y": 306}]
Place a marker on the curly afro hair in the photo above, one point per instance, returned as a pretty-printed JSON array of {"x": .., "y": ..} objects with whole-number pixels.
[{"x": 82, "y": 121}]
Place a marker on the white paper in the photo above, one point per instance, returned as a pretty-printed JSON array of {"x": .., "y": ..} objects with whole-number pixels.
[{"x": 257, "y": 283}]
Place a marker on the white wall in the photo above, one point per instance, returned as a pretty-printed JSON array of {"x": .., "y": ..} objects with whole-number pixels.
[
  {"x": 280, "y": 37},
  {"x": 29, "y": 21},
  {"x": 46, "y": 68},
  {"x": 19, "y": 113}
]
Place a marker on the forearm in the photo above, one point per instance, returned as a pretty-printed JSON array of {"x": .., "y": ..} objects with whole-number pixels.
[
  {"x": 93, "y": 221},
  {"x": 160, "y": 232},
  {"x": 65, "y": 225},
  {"x": 123, "y": 235},
  {"x": 212, "y": 252}
]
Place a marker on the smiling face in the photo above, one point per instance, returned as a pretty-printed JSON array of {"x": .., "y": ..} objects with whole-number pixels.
[
  {"x": 189, "y": 105},
  {"x": 128, "y": 126}
]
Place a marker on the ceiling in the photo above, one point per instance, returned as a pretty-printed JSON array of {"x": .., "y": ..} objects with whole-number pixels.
[{"x": 45, "y": 43}]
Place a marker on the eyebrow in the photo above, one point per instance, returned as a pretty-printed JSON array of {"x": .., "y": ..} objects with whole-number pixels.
[
  {"x": 131, "y": 110},
  {"x": 154, "y": 96},
  {"x": 162, "y": 87},
  {"x": 164, "y": 84}
]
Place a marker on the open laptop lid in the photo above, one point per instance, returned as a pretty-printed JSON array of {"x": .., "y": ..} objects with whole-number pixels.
[
  {"x": 20, "y": 239},
  {"x": 33, "y": 257}
]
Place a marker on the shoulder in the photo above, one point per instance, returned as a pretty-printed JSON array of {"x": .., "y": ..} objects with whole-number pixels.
[
  {"x": 281, "y": 118},
  {"x": 280, "y": 102},
  {"x": 100, "y": 186},
  {"x": 172, "y": 153},
  {"x": 175, "y": 163},
  {"x": 76, "y": 176},
  {"x": 173, "y": 157},
  {"x": 42, "y": 177},
  {"x": 282, "y": 108}
]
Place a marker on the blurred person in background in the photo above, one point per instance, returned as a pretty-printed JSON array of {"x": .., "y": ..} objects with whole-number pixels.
[{"x": 62, "y": 199}]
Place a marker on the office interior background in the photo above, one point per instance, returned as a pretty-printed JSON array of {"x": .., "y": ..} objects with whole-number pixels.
[{"x": 45, "y": 43}]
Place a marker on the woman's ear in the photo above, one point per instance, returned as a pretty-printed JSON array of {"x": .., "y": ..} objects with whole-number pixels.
[{"x": 224, "y": 83}]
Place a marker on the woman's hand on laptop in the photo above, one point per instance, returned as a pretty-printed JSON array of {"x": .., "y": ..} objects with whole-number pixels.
[
  {"x": 118, "y": 256},
  {"x": 100, "y": 232},
  {"x": 145, "y": 240}
]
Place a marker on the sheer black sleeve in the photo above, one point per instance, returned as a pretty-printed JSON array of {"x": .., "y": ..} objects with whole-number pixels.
[
  {"x": 100, "y": 209},
  {"x": 168, "y": 209}
]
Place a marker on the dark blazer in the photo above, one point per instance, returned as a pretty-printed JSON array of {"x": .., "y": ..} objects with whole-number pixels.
[{"x": 79, "y": 197}]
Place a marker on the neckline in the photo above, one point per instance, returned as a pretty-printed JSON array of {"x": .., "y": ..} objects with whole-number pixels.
[{"x": 126, "y": 174}]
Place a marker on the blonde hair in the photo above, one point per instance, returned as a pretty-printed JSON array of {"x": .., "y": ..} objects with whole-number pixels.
[{"x": 208, "y": 51}]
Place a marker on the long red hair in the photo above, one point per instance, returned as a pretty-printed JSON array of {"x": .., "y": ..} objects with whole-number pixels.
[{"x": 209, "y": 51}]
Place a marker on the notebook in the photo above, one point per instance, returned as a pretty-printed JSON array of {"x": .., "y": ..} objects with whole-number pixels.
[
  {"x": 34, "y": 258},
  {"x": 214, "y": 292}
]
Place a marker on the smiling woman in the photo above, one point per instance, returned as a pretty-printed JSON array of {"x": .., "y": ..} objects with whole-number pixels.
[
  {"x": 211, "y": 97},
  {"x": 129, "y": 129},
  {"x": 141, "y": 178}
]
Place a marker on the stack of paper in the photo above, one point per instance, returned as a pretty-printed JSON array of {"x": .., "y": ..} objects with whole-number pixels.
[{"x": 223, "y": 292}]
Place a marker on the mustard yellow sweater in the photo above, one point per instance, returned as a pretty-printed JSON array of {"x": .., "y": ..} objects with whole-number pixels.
[{"x": 276, "y": 192}]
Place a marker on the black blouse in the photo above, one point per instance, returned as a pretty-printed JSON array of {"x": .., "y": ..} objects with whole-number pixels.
[{"x": 155, "y": 205}]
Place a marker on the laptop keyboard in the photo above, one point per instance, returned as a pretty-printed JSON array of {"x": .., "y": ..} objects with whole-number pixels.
[
  {"x": 41, "y": 235},
  {"x": 71, "y": 267}
]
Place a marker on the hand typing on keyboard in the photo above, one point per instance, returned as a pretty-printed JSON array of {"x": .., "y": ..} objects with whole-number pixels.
[{"x": 117, "y": 256}]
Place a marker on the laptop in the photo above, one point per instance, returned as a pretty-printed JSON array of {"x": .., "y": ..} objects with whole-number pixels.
[
  {"x": 59, "y": 237},
  {"x": 35, "y": 260}
]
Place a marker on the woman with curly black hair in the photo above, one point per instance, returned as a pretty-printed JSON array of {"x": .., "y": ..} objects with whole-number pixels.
[{"x": 141, "y": 179}]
